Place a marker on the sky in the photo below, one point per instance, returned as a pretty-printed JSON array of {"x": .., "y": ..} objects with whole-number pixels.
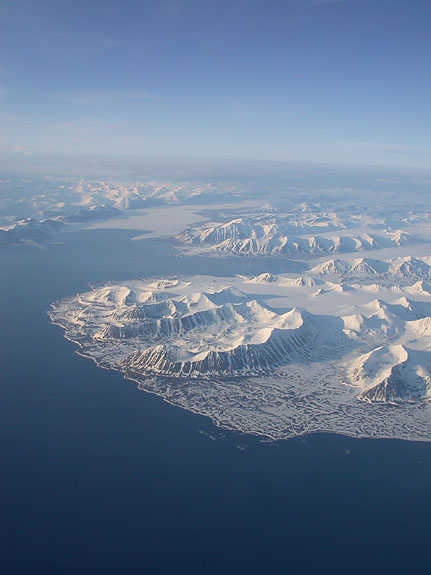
[{"x": 331, "y": 81}]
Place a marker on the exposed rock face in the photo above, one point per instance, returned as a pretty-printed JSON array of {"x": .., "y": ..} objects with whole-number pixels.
[{"x": 244, "y": 359}]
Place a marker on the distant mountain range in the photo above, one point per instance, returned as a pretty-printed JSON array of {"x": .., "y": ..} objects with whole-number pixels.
[{"x": 277, "y": 235}]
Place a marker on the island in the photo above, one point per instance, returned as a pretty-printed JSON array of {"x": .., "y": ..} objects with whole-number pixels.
[{"x": 344, "y": 347}]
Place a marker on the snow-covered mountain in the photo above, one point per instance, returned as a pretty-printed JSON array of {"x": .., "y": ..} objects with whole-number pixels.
[
  {"x": 221, "y": 333},
  {"x": 46, "y": 197},
  {"x": 82, "y": 201},
  {"x": 288, "y": 235},
  {"x": 399, "y": 269},
  {"x": 394, "y": 373},
  {"x": 202, "y": 327},
  {"x": 29, "y": 230},
  {"x": 275, "y": 354}
]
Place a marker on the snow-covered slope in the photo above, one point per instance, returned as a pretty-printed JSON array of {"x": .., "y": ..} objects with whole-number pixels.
[
  {"x": 288, "y": 235},
  {"x": 400, "y": 269},
  {"x": 197, "y": 327},
  {"x": 29, "y": 230},
  {"x": 194, "y": 334},
  {"x": 394, "y": 373},
  {"x": 271, "y": 354},
  {"x": 27, "y": 204}
]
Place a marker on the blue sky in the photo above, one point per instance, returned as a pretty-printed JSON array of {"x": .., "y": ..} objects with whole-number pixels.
[{"x": 343, "y": 81}]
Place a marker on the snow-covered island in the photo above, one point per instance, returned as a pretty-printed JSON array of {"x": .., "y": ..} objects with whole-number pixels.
[
  {"x": 310, "y": 233},
  {"x": 344, "y": 348}
]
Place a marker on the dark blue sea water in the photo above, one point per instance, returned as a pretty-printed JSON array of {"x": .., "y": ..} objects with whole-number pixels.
[{"x": 98, "y": 477}]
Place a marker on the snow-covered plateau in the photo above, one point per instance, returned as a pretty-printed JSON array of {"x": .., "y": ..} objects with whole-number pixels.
[{"x": 344, "y": 348}]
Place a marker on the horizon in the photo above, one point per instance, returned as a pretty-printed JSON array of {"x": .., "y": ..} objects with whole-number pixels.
[{"x": 75, "y": 165}]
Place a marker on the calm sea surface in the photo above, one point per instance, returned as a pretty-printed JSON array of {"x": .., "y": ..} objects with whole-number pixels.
[{"x": 98, "y": 477}]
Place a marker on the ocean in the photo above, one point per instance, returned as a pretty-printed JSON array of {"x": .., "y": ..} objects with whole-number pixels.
[{"x": 99, "y": 477}]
